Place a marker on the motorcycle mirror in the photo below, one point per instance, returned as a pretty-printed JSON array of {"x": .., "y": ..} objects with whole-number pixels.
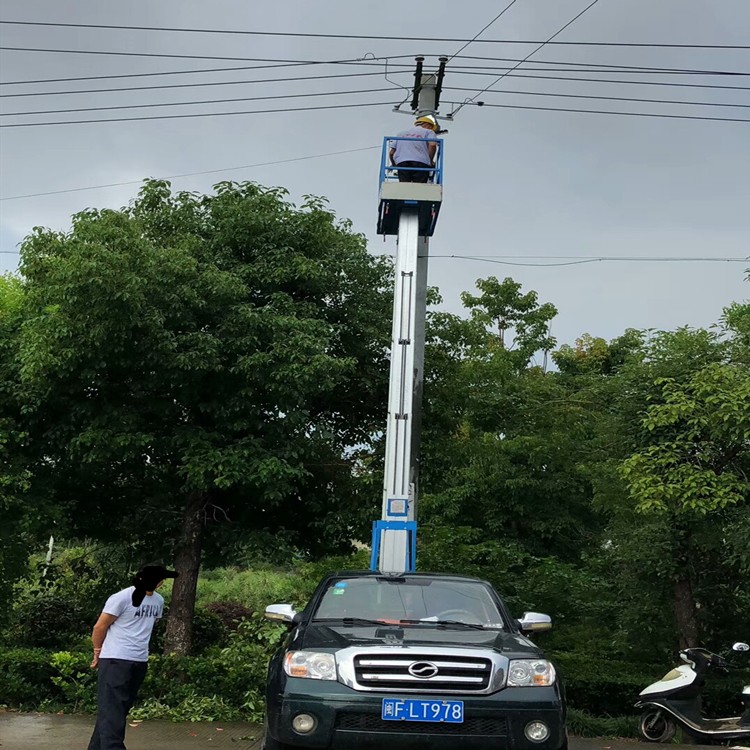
[{"x": 740, "y": 647}]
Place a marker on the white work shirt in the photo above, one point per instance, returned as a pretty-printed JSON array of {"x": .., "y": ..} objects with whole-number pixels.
[
  {"x": 128, "y": 636},
  {"x": 414, "y": 149}
]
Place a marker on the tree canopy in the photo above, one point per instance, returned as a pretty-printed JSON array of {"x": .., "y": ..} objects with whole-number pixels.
[
  {"x": 197, "y": 358},
  {"x": 195, "y": 373}
]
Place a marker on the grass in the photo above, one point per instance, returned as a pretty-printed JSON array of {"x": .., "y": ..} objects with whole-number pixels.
[{"x": 255, "y": 589}]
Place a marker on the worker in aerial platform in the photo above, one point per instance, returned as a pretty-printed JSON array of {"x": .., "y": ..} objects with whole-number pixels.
[{"x": 417, "y": 150}]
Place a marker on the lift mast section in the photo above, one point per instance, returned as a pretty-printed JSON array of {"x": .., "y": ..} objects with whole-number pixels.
[{"x": 409, "y": 210}]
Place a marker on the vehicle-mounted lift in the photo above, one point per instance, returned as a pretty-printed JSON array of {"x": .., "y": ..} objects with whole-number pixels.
[{"x": 408, "y": 210}]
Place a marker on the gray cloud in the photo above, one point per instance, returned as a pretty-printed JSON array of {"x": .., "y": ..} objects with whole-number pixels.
[{"x": 518, "y": 182}]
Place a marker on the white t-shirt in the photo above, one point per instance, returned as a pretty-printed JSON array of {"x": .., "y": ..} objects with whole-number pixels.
[
  {"x": 414, "y": 149},
  {"x": 128, "y": 636}
]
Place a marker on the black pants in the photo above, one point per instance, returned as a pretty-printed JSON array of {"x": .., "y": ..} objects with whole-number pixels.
[
  {"x": 117, "y": 687},
  {"x": 408, "y": 175}
]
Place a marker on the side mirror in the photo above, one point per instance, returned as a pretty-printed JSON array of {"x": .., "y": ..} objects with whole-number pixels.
[
  {"x": 740, "y": 647},
  {"x": 535, "y": 622},
  {"x": 280, "y": 613}
]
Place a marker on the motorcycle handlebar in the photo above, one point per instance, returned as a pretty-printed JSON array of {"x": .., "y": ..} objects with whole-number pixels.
[{"x": 702, "y": 657}]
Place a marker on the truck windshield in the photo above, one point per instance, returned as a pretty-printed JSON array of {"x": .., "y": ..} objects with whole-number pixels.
[{"x": 423, "y": 600}]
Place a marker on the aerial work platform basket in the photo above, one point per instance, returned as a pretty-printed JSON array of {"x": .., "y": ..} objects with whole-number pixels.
[{"x": 396, "y": 194}]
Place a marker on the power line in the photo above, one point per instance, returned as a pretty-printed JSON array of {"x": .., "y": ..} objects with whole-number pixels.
[
  {"x": 277, "y": 63},
  {"x": 193, "y": 174},
  {"x": 193, "y": 85},
  {"x": 615, "y": 80},
  {"x": 193, "y": 103},
  {"x": 373, "y": 36},
  {"x": 351, "y": 61},
  {"x": 461, "y": 69},
  {"x": 581, "y": 259},
  {"x": 347, "y": 75},
  {"x": 197, "y": 114},
  {"x": 574, "y": 260},
  {"x": 533, "y": 52},
  {"x": 367, "y": 91},
  {"x": 370, "y": 104},
  {"x": 285, "y": 64},
  {"x": 589, "y": 68},
  {"x": 613, "y": 67},
  {"x": 484, "y": 28},
  {"x": 607, "y": 98},
  {"x": 132, "y": 75},
  {"x": 606, "y": 112}
]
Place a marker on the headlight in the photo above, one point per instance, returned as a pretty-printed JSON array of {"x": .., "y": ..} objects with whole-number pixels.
[
  {"x": 530, "y": 672},
  {"x": 310, "y": 664}
]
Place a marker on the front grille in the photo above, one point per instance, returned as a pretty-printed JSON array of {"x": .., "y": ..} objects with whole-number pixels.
[
  {"x": 390, "y": 671},
  {"x": 364, "y": 722}
]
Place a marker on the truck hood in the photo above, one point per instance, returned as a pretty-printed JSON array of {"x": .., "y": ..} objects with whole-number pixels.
[{"x": 327, "y": 637}]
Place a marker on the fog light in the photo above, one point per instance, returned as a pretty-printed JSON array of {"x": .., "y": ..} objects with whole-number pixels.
[
  {"x": 303, "y": 723},
  {"x": 536, "y": 731}
]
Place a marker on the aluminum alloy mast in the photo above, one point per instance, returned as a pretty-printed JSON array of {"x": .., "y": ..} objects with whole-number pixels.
[{"x": 408, "y": 210}]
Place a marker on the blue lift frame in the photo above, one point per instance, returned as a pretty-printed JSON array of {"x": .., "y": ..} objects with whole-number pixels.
[
  {"x": 389, "y": 173},
  {"x": 410, "y": 527},
  {"x": 426, "y": 197}
]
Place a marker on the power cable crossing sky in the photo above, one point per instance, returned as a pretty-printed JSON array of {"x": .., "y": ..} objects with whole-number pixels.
[{"x": 103, "y": 79}]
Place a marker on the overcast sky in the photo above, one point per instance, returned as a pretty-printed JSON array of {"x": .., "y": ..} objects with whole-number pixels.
[{"x": 518, "y": 182}]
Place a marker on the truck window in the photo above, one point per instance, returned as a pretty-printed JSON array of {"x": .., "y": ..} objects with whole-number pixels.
[{"x": 399, "y": 599}]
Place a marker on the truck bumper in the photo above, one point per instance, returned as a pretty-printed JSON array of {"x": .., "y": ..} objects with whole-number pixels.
[{"x": 346, "y": 718}]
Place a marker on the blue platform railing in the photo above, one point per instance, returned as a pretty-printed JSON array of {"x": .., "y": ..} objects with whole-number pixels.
[{"x": 389, "y": 173}]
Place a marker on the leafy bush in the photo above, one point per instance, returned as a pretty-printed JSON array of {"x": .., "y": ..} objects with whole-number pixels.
[
  {"x": 75, "y": 679},
  {"x": 48, "y": 619},
  {"x": 25, "y": 677},
  {"x": 58, "y": 602},
  {"x": 609, "y": 687},
  {"x": 231, "y": 614},
  {"x": 209, "y": 631},
  {"x": 602, "y": 687},
  {"x": 583, "y": 724},
  {"x": 222, "y": 684}
]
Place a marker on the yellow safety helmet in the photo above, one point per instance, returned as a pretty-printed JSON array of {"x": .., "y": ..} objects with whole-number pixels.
[{"x": 427, "y": 120}]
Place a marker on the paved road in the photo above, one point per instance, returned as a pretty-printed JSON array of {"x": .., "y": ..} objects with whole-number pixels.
[{"x": 53, "y": 732}]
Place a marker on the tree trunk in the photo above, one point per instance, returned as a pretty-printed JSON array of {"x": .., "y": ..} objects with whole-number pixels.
[
  {"x": 179, "y": 636},
  {"x": 685, "y": 613}
]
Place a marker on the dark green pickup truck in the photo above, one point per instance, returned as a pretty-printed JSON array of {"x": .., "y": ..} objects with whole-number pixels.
[{"x": 411, "y": 661}]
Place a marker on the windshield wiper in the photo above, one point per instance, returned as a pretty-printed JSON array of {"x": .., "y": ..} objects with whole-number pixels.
[
  {"x": 447, "y": 623},
  {"x": 351, "y": 621},
  {"x": 357, "y": 621}
]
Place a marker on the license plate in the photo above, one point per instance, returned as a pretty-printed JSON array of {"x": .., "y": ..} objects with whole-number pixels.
[{"x": 397, "y": 709}]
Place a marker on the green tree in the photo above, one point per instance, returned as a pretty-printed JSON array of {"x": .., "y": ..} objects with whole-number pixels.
[
  {"x": 192, "y": 359},
  {"x": 501, "y": 306},
  {"x": 504, "y": 452},
  {"x": 691, "y": 466},
  {"x": 653, "y": 465},
  {"x": 15, "y": 513},
  {"x": 695, "y": 461}
]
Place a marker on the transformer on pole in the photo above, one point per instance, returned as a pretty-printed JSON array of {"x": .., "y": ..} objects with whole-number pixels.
[{"x": 408, "y": 210}]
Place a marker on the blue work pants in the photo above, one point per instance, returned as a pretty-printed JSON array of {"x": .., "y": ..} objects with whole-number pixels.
[{"x": 117, "y": 687}]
